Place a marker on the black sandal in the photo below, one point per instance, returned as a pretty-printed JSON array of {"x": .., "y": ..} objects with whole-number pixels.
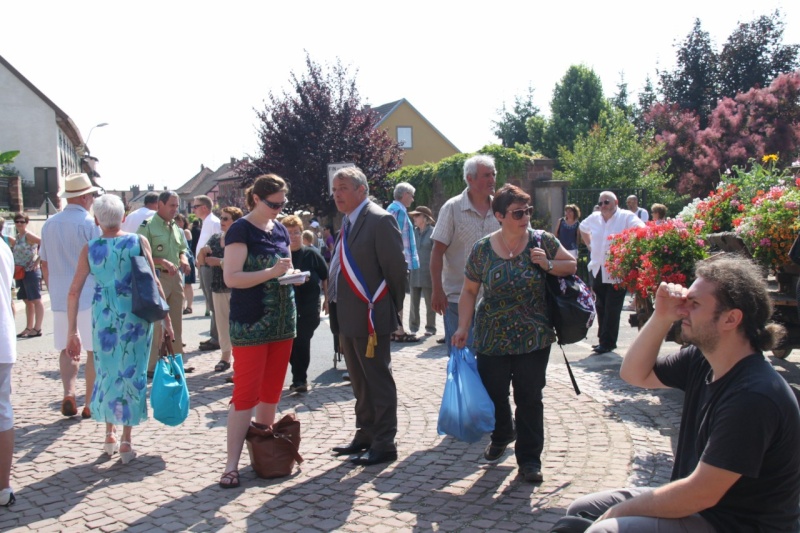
[
  {"x": 229, "y": 480},
  {"x": 24, "y": 333},
  {"x": 222, "y": 366},
  {"x": 34, "y": 333}
]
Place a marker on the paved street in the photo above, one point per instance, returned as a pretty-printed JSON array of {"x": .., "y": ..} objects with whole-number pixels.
[{"x": 611, "y": 435}]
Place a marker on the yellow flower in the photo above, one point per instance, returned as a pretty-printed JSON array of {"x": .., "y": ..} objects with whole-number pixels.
[{"x": 769, "y": 158}]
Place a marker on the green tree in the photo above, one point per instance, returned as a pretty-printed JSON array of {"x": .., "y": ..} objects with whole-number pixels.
[
  {"x": 6, "y": 158},
  {"x": 510, "y": 128},
  {"x": 612, "y": 156},
  {"x": 754, "y": 55},
  {"x": 576, "y": 106},
  {"x": 693, "y": 85},
  {"x": 536, "y": 128},
  {"x": 647, "y": 97}
]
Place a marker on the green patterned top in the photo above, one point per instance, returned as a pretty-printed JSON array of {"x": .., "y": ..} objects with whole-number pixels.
[
  {"x": 266, "y": 312},
  {"x": 512, "y": 317}
]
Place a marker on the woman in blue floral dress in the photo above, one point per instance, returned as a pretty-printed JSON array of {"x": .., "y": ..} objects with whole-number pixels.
[{"x": 121, "y": 339}]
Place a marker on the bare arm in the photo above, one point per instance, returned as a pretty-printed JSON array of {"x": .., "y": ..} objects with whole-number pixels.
[
  {"x": 587, "y": 239},
  {"x": 563, "y": 263},
  {"x": 73, "y": 296},
  {"x": 703, "y": 489},
  {"x": 149, "y": 255},
  {"x": 439, "y": 303},
  {"x": 466, "y": 308},
  {"x": 45, "y": 273},
  {"x": 637, "y": 366},
  {"x": 236, "y": 278}
]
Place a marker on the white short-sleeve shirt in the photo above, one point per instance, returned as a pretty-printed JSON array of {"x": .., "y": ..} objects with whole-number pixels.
[
  {"x": 459, "y": 227},
  {"x": 601, "y": 230}
]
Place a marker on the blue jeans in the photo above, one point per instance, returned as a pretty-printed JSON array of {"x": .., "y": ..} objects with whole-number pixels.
[{"x": 451, "y": 325}]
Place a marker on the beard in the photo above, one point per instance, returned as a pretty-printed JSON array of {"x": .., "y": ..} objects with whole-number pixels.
[{"x": 704, "y": 336}]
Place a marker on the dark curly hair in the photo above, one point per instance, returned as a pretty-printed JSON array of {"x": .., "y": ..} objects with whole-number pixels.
[{"x": 739, "y": 284}]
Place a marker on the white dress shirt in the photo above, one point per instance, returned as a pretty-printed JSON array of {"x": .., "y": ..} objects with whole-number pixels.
[
  {"x": 600, "y": 230},
  {"x": 135, "y": 218},
  {"x": 211, "y": 226}
]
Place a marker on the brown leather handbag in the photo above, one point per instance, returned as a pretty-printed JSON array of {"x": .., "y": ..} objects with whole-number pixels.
[{"x": 274, "y": 449}]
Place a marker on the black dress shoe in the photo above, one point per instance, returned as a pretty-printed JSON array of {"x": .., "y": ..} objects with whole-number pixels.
[
  {"x": 602, "y": 349},
  {"x": 373, "y": 457},
  {"x": 350, "y": 449}
]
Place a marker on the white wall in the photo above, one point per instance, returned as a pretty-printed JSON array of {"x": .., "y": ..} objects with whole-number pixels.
[{"x": 27, "y": 124}]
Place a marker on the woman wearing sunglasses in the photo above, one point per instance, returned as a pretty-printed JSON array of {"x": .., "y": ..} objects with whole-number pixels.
[
  {"x": 262, "y": 314},
  {"x": 211, "y": 254},
  {"x": 26, "y": 255},
  {"x": 511, "y": 267}
]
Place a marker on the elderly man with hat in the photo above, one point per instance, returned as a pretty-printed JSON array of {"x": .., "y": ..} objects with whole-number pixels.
[
  {"x": 420, "y": 279},
  {"x": 63, "y": 236}
]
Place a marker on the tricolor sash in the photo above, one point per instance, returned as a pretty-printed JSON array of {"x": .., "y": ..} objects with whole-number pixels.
[{"x": 357, "y": 284}]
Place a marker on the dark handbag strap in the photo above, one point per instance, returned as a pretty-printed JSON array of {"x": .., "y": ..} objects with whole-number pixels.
[
  {"x": 288, "y": 439},
  {"x": 547, "y": 288}
]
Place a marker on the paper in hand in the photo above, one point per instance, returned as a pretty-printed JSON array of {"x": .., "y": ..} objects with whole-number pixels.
[{"x": 297, "y": 277}]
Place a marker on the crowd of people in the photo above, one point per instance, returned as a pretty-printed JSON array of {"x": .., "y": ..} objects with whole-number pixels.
[{"x": 477, "y": 263}]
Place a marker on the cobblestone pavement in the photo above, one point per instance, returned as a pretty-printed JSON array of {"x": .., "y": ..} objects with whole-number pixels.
[
  {"x": 601, "y": 439},
  {"x": 611, "y": 435}
]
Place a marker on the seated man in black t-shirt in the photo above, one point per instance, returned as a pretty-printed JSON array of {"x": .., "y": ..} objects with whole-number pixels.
[{"x": 737, "y": 464}]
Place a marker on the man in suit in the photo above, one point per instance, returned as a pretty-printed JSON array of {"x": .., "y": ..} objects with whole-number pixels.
[{"x": 374, "y": 249}]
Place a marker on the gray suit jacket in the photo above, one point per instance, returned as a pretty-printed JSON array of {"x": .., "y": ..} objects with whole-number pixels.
[{"x": 376, "y": 246}]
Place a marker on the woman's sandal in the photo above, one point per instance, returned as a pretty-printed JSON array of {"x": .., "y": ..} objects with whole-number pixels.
[
  {"x": 24, "y": 334},
  {"x": 187, "y": 311},
  {"x": 111, "y": 447},
  {"x": 229, "y": 480},
  {"x": 34, "y": 333},
  {"x": 128, "y": 456},
  {"x": 222, "y": 366}
]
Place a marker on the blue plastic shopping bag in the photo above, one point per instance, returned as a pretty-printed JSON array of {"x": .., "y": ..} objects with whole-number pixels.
[{"x": 467, "y": 412}]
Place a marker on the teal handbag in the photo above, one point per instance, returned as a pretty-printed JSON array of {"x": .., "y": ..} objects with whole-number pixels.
[{"x": 169, "y": 395}]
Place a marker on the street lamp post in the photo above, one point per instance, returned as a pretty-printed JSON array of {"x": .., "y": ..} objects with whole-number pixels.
[{"x": 86, "y": 144}]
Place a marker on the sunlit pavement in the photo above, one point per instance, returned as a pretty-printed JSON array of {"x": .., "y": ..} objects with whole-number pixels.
[{"x": 611, "y": 435}]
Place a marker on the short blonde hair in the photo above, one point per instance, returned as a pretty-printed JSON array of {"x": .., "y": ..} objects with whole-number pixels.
[{"x": 308, "y": 236}]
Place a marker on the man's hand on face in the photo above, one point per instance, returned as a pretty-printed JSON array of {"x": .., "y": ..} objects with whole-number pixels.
[{"x": 670, "y": 297}]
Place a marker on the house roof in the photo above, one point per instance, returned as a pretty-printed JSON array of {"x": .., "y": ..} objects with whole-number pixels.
[
  {"x": 205, "y": 180},
  {"x": 62, "y": 119},
  {"x": 387, "y": 109},
  {"x": 190, "y": 186}
]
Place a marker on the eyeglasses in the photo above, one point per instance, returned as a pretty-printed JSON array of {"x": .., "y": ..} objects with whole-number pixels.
[
  {"x": 225, "y": 218},
  {"x": 198, "y": 205},
  {"x": 517, "y": 214},
  {"x": 605, "y": 202},
  {"x": 295, "y": 233},
  {"x": 273, "y": 205}
]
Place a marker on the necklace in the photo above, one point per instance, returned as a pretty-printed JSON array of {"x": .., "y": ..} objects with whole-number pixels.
[{"x": 510, "y": 250}]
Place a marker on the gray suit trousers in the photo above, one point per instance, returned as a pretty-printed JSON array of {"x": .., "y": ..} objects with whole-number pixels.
[{"x": 375, "y": 391}]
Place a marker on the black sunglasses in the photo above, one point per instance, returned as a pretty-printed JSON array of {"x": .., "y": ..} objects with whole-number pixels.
[
  {"x": 196, "y": 206},
  {"x": 605, "y": 202},
  {"x": 517, "y": 214},
  {"x": 20, "y": 222},
  {"x": 273, "y": 205}
]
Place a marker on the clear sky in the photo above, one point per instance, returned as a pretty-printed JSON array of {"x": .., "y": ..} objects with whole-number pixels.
[{"x": 178, "y": 81}]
